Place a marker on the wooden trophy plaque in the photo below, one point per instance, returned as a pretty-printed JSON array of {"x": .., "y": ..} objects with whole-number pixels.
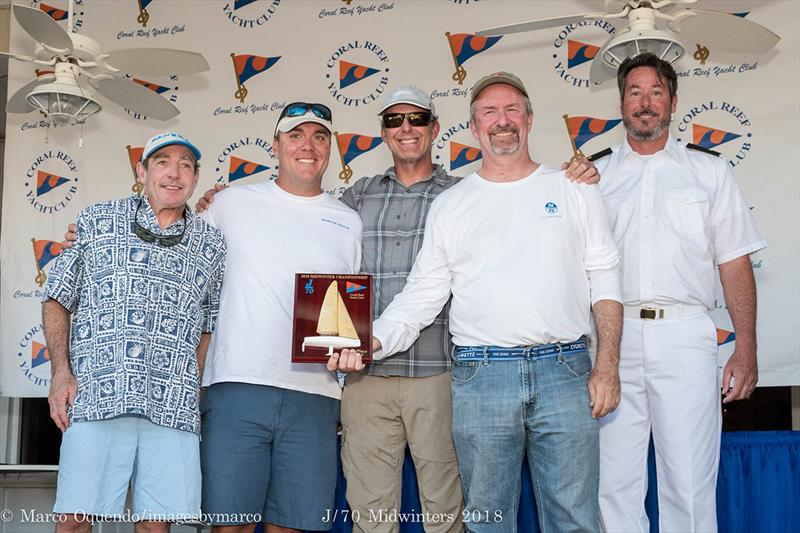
[{"x": 331, "y": 312}]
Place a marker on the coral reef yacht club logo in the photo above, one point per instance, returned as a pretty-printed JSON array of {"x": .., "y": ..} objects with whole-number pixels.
[
  {"x": 456, "y": 154},
  {"x": 575, "y": 46},
  {"x": 719, "y": 126},
  {"x": 357, "y": 73},
  {"x": 51, "y": 181},
  {"x": 250, "y": 14},
  {"x": 246, "y": 158},
  {"x": 57, "y": 9},
  {"x": 33, "y": 358},
  {"x": 350, "y": 9}
]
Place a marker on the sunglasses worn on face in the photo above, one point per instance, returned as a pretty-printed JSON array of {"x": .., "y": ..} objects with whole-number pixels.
[
  {"x": 149, "y": 237},
  {"x": 298, "y": 109},
  {"x": 415, "y": 118}
]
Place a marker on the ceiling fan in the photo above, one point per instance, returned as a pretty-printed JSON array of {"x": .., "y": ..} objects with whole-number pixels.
[
  {"x": 718, "y": 30},
  {"x": 58, "y": 93}
]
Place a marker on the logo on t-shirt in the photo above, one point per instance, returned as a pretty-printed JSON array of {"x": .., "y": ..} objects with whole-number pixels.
[{"x": 551, "y": 210}]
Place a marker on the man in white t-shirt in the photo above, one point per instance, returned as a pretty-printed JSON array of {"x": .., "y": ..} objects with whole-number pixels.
[
  {"x": 268, "y": 447},
  {"x": 526, "y": 255}
]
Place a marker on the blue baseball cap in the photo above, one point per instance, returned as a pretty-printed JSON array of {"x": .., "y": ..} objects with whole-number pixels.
[{"x": 161, "y": 140}]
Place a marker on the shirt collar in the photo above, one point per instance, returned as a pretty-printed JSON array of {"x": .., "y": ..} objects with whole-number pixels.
[
  {"x": 147, "y": 217},
  {"x": 439, "y": 175},
  {"x": 672, "y": 149}
]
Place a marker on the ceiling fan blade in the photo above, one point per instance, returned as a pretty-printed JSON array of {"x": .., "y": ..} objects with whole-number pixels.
[
  {"x": 136, "y": 97},
  {"x": 43, "y": 29},
  {"x": 722, "y": 31},
  {"x": 156, "y": 61},
  {"x": 539, "y": 24},
  {"x": 18, "y": 103}
]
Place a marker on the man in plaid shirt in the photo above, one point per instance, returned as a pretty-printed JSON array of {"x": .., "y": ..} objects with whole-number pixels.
[{"x": 404, "y": 399}]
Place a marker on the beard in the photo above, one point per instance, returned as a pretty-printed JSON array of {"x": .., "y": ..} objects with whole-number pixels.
[
  {"x": 504, "y": 147},
  {"x": 644, "y": 134}
]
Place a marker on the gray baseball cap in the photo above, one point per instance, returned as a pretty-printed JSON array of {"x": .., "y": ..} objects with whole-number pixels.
[
  {"x": 409, "y": 94},
  {"x": 497, "y": 77}
]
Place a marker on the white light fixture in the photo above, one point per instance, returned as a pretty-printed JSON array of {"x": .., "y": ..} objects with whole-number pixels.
[
  {"x": 63, "y": 100},
  {"x": 631, "y": 43}
]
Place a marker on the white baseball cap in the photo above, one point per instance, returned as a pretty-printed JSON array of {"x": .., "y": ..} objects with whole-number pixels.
[
  {"x": 409, "y": 94},
  {"x": 157, "y": 142},
  {"x": 314, "y": 112}
]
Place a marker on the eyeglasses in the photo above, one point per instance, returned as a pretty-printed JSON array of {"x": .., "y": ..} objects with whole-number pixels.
[
  {"x": 298, "y": 109},
  {"x": 148, "y": 236},
  {"x": 415, "y": 118}
]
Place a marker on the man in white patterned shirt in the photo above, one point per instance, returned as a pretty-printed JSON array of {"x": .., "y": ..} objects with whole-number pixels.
[{"x": 141, "y": 285}]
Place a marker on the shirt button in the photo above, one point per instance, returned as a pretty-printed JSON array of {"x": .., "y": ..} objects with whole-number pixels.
[
  {"x": 397, "y": 243},
  {"x": 398, "y": 217}
]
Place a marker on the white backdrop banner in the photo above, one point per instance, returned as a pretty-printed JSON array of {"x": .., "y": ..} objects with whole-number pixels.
[{"x": 347, "y": 54}]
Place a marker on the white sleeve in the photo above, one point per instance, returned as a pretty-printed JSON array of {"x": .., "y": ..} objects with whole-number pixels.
[
  {"x": 733, "y": 226},
  {"x": 425, "y": 293},
  {"x": 601, "y": 258}
]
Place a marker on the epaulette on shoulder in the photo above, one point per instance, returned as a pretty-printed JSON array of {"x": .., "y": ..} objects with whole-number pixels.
[
  {"x": 600, "y": 154},
  {"x": 702, "y": 149}
]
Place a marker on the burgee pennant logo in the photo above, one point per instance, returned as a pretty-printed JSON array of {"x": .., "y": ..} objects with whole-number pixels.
[
  {"x": 134, "y": 156},
  {"x": 54, "y": 12},
  {"x": 46, "y": 182},
  {"x": 711, "y": 137},
  {"x": 144, "y": 16},
  {"x": 465, "y": 45},
  {"x": 246, "y": 66},
  {"x": 238, "y": 4},
  {"x": 462, "y": 154},
  {"x": 39, "y": 354},
  {"x": 584, "y": 129},
  {"x": 156, "y": 88},
  {"x": 724, "y": 336},
  {"x": 352, "y": 145},
  {"x": 353, "y": 287},
  {"x": 350, "y": 73},
  {"x": 579, "y": 53},
  {"x": 242, "y": 168},
  {"x": 44, "y": 251}
]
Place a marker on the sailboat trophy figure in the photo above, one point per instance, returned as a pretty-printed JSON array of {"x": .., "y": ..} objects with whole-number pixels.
[{"x": 335, "y": 327}]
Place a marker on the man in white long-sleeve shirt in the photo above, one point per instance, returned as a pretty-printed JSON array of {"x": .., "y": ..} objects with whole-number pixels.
[{"x": 526, "y": 256}]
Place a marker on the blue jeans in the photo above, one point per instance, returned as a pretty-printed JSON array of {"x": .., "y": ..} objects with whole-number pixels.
[{"x": 538, "y": 406}]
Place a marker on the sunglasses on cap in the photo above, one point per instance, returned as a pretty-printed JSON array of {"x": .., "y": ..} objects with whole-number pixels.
[
  {"x": 415, "y": 118},
  {"x": 149, "y": 237},
  {"x": 298, "y": 109}
]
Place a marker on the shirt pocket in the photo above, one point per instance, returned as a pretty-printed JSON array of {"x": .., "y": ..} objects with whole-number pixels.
[{"x": 687, "y": 210}]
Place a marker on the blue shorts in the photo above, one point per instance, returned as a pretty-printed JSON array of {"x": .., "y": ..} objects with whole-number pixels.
[
  {"x": 268, "y": 453},
  {"x": 99, "y": 459}
]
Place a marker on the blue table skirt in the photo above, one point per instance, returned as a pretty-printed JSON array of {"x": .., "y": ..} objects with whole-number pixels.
[{"x": 758, "y": 489}]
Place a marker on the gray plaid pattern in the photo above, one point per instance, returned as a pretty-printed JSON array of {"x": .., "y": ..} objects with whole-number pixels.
[
  {"x": 138, "y": 310},
  {"x": 394, "y": 225}
]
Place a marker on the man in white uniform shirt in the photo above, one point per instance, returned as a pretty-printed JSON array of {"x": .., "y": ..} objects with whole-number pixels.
[
  {"x": 526, "y": 254},
  {"x": 677, "y": 214}
]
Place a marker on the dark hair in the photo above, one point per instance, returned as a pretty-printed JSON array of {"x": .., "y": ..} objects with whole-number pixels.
[
  {"x": 148, "y": 158},
  {"x": 663, "y": 69}
]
